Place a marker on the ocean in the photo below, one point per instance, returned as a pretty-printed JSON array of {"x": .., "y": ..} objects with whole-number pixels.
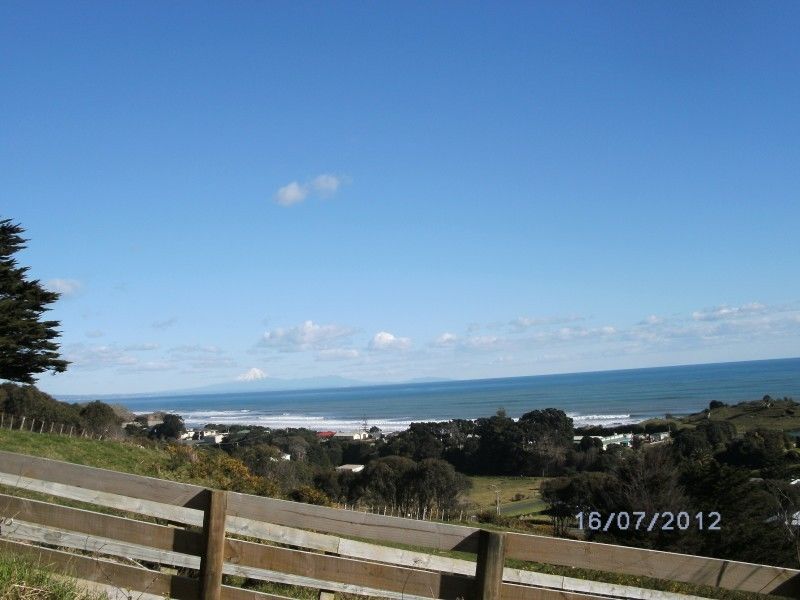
[{"x": 607, "y": 398}]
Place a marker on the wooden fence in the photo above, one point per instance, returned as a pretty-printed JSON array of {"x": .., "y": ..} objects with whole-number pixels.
[{"x": 208, "y": 533}]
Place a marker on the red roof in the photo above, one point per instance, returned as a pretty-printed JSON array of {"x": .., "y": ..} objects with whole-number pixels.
[{"x": 326, "y": 434}]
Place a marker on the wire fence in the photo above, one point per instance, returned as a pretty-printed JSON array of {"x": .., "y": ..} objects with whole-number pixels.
[{"x": 33, "y": 425}]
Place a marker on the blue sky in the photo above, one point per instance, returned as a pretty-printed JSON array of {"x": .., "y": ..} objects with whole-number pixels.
[{"x": 394, "y": 191}]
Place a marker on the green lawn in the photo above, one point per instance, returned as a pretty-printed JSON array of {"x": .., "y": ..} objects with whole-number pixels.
[
  {"x": 523, "y": 507},
  {"x": 518, "y": 495}
]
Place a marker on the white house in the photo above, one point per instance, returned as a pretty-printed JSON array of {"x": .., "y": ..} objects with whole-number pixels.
[
  {"x": 352, "y": 435},
  {"x": 351, "y": 468},
  {"x": 623, "y": 439}
]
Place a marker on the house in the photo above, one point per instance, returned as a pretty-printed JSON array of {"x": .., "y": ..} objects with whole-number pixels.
[
  {"x": 623, "y": 439},
  {"x": 285, "y": 456},
  {"x": 351, "y": 468},
  {"x": 325, "y": 435},
  {"x": 352, "y": 435},
  {"x": 150, "y": 420}
]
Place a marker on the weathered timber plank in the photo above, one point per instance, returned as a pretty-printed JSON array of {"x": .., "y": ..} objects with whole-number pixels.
[
  {"x": 101, "y": 525},
  {"x": 586, "y": 586},
  {"x": 214, "y": 538},
  {"x": 112, "y": 592},
  {"x": 178, "y": 514},
  {"x": 103, "y": 571},
  {"x": 510, "y": 591},
  {"x": 654, "y": 563},
  {"x": 309, "y": 582},
  {"x": 35, "y": 533},
  {"x": 420, "y": 560},
  {"x": 102, "y": 480},
  {"x": 234, "y": 593},
  {"x": 352, "y": 523},
  {"x": 344, "y": 570},
  {"x": 30, "y": 532},
  {"x": 489, "y": 571}
]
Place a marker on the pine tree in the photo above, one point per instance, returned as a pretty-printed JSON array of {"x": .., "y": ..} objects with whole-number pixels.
[{"x": 26, "y": 342}]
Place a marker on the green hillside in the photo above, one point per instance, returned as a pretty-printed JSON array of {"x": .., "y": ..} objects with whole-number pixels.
[
  {"x": 780, "y": 415},
  {"x": 206, "y": 467}
]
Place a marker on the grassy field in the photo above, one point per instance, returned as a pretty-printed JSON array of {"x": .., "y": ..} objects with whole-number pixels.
[
  {"x": 209, "y": 468},
  {"x": 21, "y": 580},
  {"x": 117, "y": 456},
  {"x": 518, "y": 495},
  {"x": 783, "y": 415}
]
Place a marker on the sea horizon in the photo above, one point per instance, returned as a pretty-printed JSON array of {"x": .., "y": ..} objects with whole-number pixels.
[{"x": 594, "y": 397}]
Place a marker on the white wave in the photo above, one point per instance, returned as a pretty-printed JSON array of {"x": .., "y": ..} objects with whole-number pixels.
[
  {"x": 283, "y": 421},
  {"x": 581, "y": 420},
  {"x": 198, "y": 418}
]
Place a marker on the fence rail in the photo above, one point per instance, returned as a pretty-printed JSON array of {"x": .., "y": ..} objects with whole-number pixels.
[{"x": 309, "y": 546}]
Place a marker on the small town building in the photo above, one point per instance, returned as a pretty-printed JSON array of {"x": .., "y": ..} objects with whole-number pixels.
[
  {"x": 623, "y": 439},
  {"x": 352, "y": 435},
  {"x": 325, "y": 435},
  {"x": 351, "y": 468}
]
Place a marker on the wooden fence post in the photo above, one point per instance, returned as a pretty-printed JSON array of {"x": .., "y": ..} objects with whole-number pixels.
[
  {"x": 214, "y": 556},
  {"x": 489, "y": 571},
  {"x": 22, "y": 424}
]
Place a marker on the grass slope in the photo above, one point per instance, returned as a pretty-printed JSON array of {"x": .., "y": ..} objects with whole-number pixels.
[
  {"x": 22, "y": 580},
  {"x": 206, "y": 467},
  {"x": 781, "y": 415}
]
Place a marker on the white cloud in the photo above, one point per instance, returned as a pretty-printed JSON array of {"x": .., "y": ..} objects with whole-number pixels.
[
  {"x": 291, "y": 193},
  {"x": 166, "y": 323},
  {"x": 652, "y": 320},
  {"x": 253, "y": 374},
  {"x": 326, "y": 185},
  {"x": 306, "y": 336},
  {"x": 196, "y": 349},
  {"x": 727, "y": 312},
  {"x": 151, "y": 365},
  {"x": 338, "y": 354},
  {"x": 323, "y": 186},
  {"x": 65, "y": 287},
  {"x": 445, "y": 340},
  {"x": 523, "y": 323},
  {"x": 383, "y": 340},
  {"x": 140, "y": 347},
  {"x": 97, "y": 357},
  {"x": 483, "y": 342}
]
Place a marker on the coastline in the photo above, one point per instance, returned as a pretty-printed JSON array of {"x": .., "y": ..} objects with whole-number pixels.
[{"x": 601, "y": 398}]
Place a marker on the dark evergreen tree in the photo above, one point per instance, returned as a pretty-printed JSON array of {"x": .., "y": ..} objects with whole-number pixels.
[{"x": 27, "y": 346}]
